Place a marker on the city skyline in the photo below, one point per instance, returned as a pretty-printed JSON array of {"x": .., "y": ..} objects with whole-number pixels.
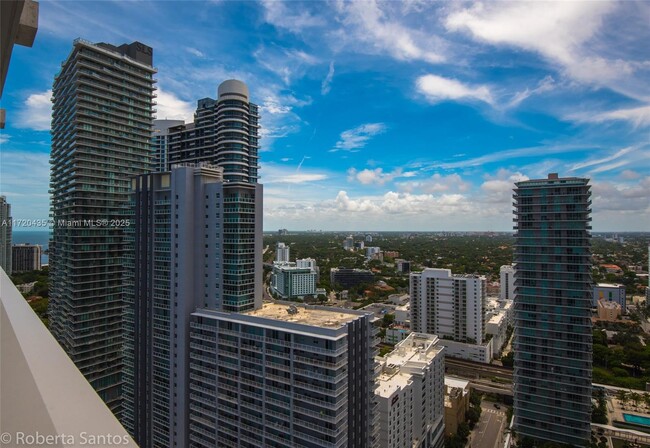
[{"x": 428, "y": 131}]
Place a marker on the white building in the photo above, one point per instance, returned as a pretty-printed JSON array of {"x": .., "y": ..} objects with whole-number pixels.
[
  {"x": 396, "y": 334},
  {"x": 290, "y": 281},
  {"x": 411, "y": 394},
  {"x": 507, "y": 282},
  {"x": 609, "y": 293},
  {"x": 306, "y": 263},
  {"x": 403, "y": 315},
  {"x": 282, "y": 253},
  {"x": 497, "y": 326},
  {"x": 372, "y": 251},
  {"x": 348, "y": 243},
  {"x": 452, "y": 307},
  {"x": 448, "y": 305}
]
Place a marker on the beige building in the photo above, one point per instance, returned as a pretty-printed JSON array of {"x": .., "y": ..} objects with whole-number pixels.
[
  {"x": 456, "y": 403},
  {"x": 609, "y": 310}
]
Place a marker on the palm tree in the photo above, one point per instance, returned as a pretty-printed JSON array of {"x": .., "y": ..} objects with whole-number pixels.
[{"x": 635, "y": 397}]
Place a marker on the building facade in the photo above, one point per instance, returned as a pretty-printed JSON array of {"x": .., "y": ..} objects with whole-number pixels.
[
  {"x": 224, "y": 133},
  {"x": 195, "y": 242},
  {"x": 507, "y": 284},
  {"x": 101, "y": 136},
  {"x": 411, "y": 394},
  {"x": 6, "y": 225},
  {"x": 448, "y": 305},
  {"x": 160, "y": 143},
  {"x": 610, "y": 293},
  {"x": 282, "y": 253},
  {"x": 553, "y": 329},
  {"x": 26, "y": 257},
  {"x": 283, "y": 376},
  {"x": 290, "y": 281},
  {"x": 347, "y": 278}
]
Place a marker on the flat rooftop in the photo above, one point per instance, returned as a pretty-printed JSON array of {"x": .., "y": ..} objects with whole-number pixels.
[{"x": 318, "y": 317}]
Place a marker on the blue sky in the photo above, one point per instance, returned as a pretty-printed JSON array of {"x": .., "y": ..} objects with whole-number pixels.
[{"x": 412, "y": 115}]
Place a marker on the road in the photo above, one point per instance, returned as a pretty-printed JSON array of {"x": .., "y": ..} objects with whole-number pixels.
[{"x": 488, "y": 432}]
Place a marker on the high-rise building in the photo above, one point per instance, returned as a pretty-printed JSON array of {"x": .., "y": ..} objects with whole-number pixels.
[
  {"x": 553, "y": 339},
  {"x": 411, "y": 392},
  {"x": 101, "y": 136},
  {"x": 507, "y": 284},
  {"x": 290, "y": 281},
  {"x": 26, "y": 257},
  {"x": 224, "y": 133},
  {"x": 282, "y": 253},
  {"x": 6, "y": 222},
  {"x": 195, "y": 242},
  {"x": 448, "y": 305},
  {"x": 283, "y": 376},
  {"x": 160, "y": 143}
]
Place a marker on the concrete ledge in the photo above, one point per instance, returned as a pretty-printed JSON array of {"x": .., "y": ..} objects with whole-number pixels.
[{"x": 44, "y": 399}]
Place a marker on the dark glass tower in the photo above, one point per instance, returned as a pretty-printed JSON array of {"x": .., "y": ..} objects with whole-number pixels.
[
  {"x": 553, "y": 339},
  {"x": 101, "y": 136}
]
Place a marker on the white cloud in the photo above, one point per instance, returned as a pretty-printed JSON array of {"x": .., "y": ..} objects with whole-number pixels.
[
  {"x": 4, "y": 138},
  {"x": 376, "y": 27},
  {"x": 37, "y": 112},
  {"x": 599, "y": 161},
  {"x": 545, "y": 85},
  {"x": 437, "y": 183},
  {"x": 638, "y": 116},
  {"x": 173, "y": 108},
  {"x": 630, "y": 175},
  {"x": 508, "y": 154},
  {"x": 195, "y": 52},
  {"x": 24, "y": 179},
  {"x": 327, "y": 82},
  {"x": 436, "y": 88},
  {"x": 277, "y": 14},
  {"x": 375, "y": 176},
  {"x": 358, "y": 137},
  {"x": 622, "y": 199},
  {"x": 559, "y": 31},
  {"x": 283, "y": 174},
  {"x": 497, "y": 190}
]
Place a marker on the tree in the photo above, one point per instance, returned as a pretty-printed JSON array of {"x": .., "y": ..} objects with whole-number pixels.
[
  {"x": 463, "y": 431},
  {"x": 473, "y": 416},
  {"x": 508, "y": 360},
  {"x": 622, "y": 396},
  {"x": 635, "y": 397}
]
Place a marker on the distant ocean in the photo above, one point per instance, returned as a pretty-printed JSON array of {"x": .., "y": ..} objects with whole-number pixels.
[{"x": 32, "y": 237}]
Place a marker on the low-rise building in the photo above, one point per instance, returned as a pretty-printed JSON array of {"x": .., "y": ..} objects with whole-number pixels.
[
  {"x": 456, "y": 403},
  {"x": 391, "y": 254},
  {"x": 403, "y": 266},
  {"x": 610, "y": 311},
  {"x": 410, "y": 394},
  {"x": 372, "y": 252},
  {"x": 471, "y": 352},
  {"x": 396, "y": 334},
  {"x": 610, "y": 293},
  {"x": 399, "y": 299},
  {"x": 497, "y": 327},
  {"x": 347, "y": 278},
  {"x": 403, "y": 315}
]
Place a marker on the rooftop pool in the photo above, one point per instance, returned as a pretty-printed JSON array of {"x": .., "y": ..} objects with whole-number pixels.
[{"x": 638, "y": 419}]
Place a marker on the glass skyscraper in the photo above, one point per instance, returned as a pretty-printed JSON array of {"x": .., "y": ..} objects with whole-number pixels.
[
  {"x": 553, "y": 339},
  {"x": 101, "y": 136}
]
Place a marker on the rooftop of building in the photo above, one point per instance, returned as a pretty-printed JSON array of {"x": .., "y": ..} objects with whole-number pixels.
[
  {"x": 416, "y": 348},
  {"x": 307, "y": 315},
  {"x": 608, "y": 304},
  {"x": 454, "y": 382},
  {"x": 609, "y": 285},
  {"x": 497, "y": 318}
]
